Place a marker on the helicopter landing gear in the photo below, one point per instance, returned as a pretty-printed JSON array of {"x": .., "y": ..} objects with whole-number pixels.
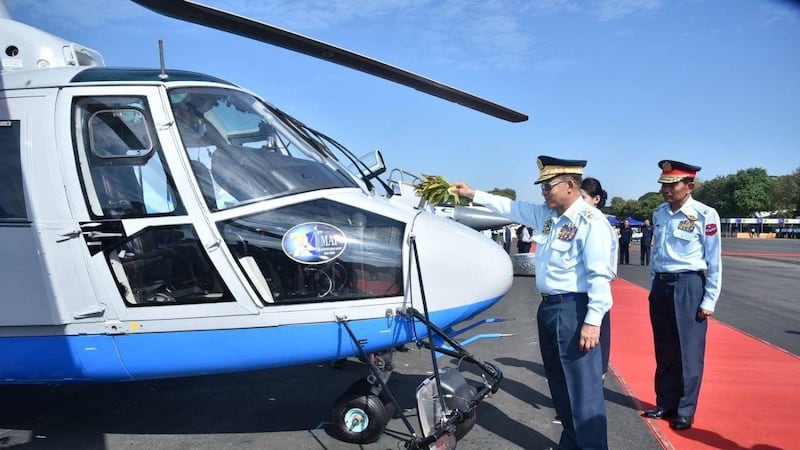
[
  {"x": 360, "y": 415},
  {"x": 446, "y": 403},
  {"x": 359, "y": 419}
]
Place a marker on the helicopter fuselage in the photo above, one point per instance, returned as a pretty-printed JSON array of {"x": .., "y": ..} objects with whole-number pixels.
[{"x": 166, "y": 224}]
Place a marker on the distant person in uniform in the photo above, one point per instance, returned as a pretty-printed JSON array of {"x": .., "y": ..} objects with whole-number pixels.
[
  {"x": 625, "y": 236},
  {"x": 500, "y": 238},
  {"x": 685, "y": 278},
  {"x": 574, "y": 270},
  {"x": 594, "y": 194},
  {"x": 645, "y": 243}
]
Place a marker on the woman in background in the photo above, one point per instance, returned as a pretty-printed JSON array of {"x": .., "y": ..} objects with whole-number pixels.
[
  {"x": 593, "y": 193},
  {"x": 524, "y": 239}
]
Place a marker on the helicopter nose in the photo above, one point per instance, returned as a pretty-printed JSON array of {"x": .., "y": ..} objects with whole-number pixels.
[{"x": 462, "y": 270}]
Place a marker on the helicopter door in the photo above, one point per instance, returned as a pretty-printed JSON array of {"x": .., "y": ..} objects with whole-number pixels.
[
  {"x": 26, "y": 299},
  {"x": 151, "y": 249}
]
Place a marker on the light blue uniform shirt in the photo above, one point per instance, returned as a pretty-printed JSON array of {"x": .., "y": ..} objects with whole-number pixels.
[
  {"x": 688, "y": 240},
  {"x": 574, "y": 251}
]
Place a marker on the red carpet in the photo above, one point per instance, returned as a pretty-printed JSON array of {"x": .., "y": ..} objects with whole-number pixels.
[{"x": 750, "y": 397}]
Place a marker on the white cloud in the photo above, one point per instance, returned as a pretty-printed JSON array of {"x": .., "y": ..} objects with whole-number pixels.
[
  {"x": 78, "y": 13},
  {"x": 617, "y": 9},
  {"x": 475, "y": 36}
]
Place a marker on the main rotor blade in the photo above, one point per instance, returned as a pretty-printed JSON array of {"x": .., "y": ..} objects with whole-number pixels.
[{"x": 243, "y": 26}]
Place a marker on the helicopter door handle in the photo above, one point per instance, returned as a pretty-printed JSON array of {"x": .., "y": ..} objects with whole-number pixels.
[
  {"x": 95, "y": 311},
  {"x": 101, "y": 235},
  {"x": 71, "y": 234}
]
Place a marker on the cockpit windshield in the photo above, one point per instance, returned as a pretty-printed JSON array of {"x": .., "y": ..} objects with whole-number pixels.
[{"x": 240, "y": 151}]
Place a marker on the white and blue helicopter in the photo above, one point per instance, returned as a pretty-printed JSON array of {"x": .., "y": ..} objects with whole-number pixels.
[{"x": 162, "y": 223}]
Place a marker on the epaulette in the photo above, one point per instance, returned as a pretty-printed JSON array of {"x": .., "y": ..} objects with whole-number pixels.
[
  {"x": 591, "y": 214},
  {"x": 701, "y": 208}
]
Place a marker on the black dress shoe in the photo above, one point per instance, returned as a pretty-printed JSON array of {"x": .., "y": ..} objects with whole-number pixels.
[
  {"x": 660, "y": 413},
  {"x": 682, "y": 423}
]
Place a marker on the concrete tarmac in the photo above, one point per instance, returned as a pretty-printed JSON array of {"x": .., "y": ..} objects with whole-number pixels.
[
  {"x": 760, "y": 288},
  {"x": 288, "y": 408}
]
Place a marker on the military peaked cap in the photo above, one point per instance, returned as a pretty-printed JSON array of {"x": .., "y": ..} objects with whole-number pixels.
[
  {"x": 675, "y": 171},
  {"x": 550, "y": 167}
]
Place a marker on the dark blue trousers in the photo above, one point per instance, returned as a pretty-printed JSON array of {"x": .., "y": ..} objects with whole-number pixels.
[
  {"x": 644, "y": 255},
  {"x": 680, "y": 340},
  {"x": 605, "y": 340},
  {"x": 574, "y": 376}
]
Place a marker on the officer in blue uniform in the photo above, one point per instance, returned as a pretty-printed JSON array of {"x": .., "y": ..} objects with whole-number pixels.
[
  {"x": 574, "y": 268},
  {"x": 685, "y": 277}
]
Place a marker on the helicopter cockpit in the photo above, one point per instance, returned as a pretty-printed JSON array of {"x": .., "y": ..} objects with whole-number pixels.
[{"x": 239, "y": 152}]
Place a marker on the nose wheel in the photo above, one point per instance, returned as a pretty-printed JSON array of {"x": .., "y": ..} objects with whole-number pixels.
[
  {"x": 360, "y": 415},
  {"x": 359, "y": 418}
]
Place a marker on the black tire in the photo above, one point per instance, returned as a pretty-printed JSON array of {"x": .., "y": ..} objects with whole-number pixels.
[
  {"x": 362, "y": 386},
  {"x": 358, "y": 419},
  {"x": 391, "y": 411}
]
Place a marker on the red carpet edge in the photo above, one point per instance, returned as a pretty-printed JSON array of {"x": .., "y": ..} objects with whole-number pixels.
[{"x": 749, "y": 395}]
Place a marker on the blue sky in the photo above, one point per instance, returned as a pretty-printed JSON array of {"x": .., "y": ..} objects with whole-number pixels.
[{"x": 621, "y": 83}]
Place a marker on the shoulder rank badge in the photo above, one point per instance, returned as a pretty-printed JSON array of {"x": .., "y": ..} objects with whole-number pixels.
[
  {"x": 548, "y": 226},
  {"x": 567, "y": 232}
]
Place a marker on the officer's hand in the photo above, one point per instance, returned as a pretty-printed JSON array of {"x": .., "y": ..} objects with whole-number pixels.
[
  {"x": 590, "y": 337},
  {"x": 462, "y": 189},
  {"x": 704, "y": 314}
]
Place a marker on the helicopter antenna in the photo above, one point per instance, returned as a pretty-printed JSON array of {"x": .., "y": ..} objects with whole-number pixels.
[
  {"x": 4, "y": 14},
  {"x": 190, "y": 11},
  {"x": 163, "y": 75}
]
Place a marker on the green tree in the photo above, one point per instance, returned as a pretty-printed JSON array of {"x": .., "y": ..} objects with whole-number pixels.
[
  {"x": 623, "y": 208},
  {"x": 716, "y": 193},
  {"x": 646, "y": 205},
  {"x": 751, "y": 191},
  {"x": 615, "y": 206},
  {"x": 738, "y": 195},
  {"x": 786, "y": 197},
  {"x": 505, "y": 192}
]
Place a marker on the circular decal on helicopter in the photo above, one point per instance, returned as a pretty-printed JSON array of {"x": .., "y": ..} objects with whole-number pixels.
[{"x": 314, "y": 243}]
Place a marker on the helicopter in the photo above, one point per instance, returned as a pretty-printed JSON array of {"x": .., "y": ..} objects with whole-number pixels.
[{"x": 163, "y": 223}]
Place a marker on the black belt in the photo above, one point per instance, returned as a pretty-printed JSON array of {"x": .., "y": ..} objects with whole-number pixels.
[
  {"x": 667, "y": 276},
  {"x": 556, "y": 298}
]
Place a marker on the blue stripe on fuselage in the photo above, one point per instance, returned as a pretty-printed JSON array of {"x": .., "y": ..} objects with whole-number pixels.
[{"x": 133, "y": 356}]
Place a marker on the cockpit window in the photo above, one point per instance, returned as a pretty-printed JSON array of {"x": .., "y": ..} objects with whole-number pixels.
[
  {"x": 119, "y": 133},
  {"x": 240, "y": 152},
  {"x": 121, "y": 165},
  {"x": 318, "y": 251}
]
